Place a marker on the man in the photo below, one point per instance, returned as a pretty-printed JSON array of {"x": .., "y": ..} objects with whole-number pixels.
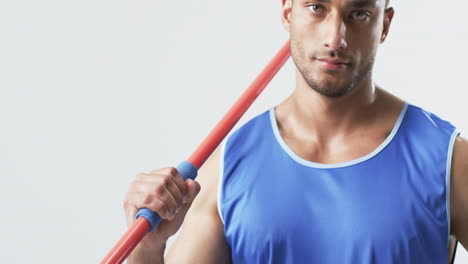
[{"x": 339, "y": 172}]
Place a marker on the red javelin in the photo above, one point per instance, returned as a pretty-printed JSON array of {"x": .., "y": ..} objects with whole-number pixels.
[{"x": 141, "y": 226}]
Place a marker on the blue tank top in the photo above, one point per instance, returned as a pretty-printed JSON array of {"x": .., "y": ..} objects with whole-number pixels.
[{"x": 390, "y": 206}]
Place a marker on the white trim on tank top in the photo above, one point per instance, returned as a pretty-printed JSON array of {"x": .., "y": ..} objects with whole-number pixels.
[
  {"x": 448, "y": 172},
  {"x": 221, "y": 179},
  {"x": 312, "y": 164}
]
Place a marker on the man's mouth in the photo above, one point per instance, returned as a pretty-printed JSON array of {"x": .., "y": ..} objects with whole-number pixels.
[{"x": 334, "y": 64}]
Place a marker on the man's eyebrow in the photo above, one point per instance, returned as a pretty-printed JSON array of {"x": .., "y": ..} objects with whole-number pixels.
[{"x": 363, "y": 3}]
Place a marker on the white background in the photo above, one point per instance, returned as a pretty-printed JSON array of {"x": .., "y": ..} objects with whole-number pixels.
[{"x": 93, "y": 92}]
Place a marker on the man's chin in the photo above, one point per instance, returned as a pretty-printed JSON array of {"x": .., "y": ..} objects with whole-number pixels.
[
  {"x": 330, "y": 89},
  {"x": 332, "y": 93}
]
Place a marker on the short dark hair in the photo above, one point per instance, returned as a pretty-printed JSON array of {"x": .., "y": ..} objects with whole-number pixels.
[{"x": 387, "y": 3}]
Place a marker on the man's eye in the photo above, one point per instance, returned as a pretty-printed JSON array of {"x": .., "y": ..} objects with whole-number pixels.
[
  {"x": 360, "y": 15},
  {"x": 318, "y": 9}
]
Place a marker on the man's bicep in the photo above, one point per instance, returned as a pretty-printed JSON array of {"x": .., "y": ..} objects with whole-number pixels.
[
  {"x": 459, "y": 191},
  {"x": 201, "y": 238}
]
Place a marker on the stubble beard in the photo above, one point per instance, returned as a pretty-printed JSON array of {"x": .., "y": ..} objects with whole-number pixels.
[{"x": 328, "y": 89}]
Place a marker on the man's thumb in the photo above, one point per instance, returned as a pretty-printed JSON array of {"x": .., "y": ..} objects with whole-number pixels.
[{"x": 193, "y": 188}]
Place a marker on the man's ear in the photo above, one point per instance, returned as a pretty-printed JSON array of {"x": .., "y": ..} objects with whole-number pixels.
[
  {"x": 286, "y": 13},
  {"x": 388, "y": 17}
]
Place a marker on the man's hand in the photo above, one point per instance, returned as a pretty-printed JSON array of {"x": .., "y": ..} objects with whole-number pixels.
[{"x": 163, "y": 191}]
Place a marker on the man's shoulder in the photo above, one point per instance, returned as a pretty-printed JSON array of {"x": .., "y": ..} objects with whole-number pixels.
[
  {"x": 253, "y": 126},
  {"x": 249, "y": 136},
  {"x": 428, "y": 119}
]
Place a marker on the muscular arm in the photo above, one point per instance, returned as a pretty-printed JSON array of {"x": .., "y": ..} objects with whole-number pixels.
[
  {"x": 459, "y": 192},
  {"x": 201, "y": 239}
]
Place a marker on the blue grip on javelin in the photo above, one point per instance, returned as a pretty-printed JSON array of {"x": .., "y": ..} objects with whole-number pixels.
[{"x": 188, "y": 171}]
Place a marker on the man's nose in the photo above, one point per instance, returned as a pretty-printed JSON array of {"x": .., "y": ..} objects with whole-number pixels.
[{"x": 335, "y": 33}]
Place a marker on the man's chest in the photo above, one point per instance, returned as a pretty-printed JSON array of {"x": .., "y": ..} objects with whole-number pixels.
[{"x": 309, "y": 214}]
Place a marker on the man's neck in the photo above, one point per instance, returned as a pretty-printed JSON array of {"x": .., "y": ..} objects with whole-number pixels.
[
  {"x": 325, "y": 115},
  {"x": 316, "y": 117},
  {"x": 334, "y": 130}
]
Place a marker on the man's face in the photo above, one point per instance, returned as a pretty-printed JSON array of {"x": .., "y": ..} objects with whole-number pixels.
[{"x": 334, "y": 42}]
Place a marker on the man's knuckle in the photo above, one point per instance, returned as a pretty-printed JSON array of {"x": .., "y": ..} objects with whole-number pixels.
[
  {"x": 159, "y": 190},
  {"x": 166, "y": 179},
  {"x": 173, "y": 171},
  {"x": 147, "y": 199}
]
